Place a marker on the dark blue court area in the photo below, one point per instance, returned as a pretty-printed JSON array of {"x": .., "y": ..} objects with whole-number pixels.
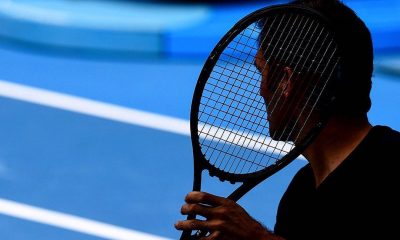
[{"x": 94, "y": 119}]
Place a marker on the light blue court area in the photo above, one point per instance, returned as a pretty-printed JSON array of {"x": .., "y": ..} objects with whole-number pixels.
[
  {"x": 96, "y": 145},
  {"x": 129, "y": 28},
  {"x": 127, "y": 83},
  {"x": 119, "y": 27}
]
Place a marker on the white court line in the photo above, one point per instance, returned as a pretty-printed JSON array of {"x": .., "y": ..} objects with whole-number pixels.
[
  {"x": 123, "y": 114},
  {"x": 70, "y": 222},
  {"x": 93, "y": 108}
]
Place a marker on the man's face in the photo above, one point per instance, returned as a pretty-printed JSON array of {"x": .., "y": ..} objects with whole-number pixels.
[{"x": 272, "y": 90}]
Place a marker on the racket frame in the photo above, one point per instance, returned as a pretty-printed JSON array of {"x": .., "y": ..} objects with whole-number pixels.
[{"x": 200, "y": 161}]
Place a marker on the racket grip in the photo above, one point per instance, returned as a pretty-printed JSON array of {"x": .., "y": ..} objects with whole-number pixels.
[{"x": 187, "y": 235}]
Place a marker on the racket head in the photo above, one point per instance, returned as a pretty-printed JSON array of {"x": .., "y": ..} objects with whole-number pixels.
[{"x": 230, "y": 126}]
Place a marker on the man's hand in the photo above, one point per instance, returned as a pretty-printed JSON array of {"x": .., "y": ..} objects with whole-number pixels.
[{"x": 225, "y": 219}]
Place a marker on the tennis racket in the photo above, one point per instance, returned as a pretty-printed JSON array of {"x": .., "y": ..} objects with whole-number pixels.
[{"x": 263, "y": 95}]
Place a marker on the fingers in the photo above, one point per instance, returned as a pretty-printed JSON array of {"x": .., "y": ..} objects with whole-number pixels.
[
  {"x": 205, "y": 198},
  {"x": 195, "y": 224},
  {"x": 206, "y": 205},
  {"x": 197, "y": 209},
  {"x": 191, "y": 225}
]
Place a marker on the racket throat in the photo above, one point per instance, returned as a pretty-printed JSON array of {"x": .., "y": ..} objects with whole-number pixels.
[
  {"x": 197, "y": 179},
  {"x": 243, "y": 189}
]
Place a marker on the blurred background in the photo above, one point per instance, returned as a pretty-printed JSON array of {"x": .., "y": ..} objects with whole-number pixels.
[{"x": 94, "y": 111}]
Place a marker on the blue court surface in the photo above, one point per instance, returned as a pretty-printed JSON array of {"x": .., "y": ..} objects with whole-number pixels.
[{"x": 94, "y": 119}]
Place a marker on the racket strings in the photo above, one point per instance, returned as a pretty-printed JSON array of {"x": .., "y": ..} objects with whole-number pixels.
[
  {"x": 242, "y": 160},
  {"x": 246, "y": 114},
  {"x": 228, "y": 138},
  {"x": 245, "y": 117},
  {"x": 277, "y": 70},
  {"x": 315, "y": 55},
  {"x": 253, "y": 145},
  {"x": 319, "y": 95},
  {"x": 230, "y": 68},
  {"x": 298, "y": 90},
  {"x": 312, "y": 88},
  {"x": 276, "y": 150},
  {"x": 315, "y": 71},
  {"x": 225, "y": 129},
  {"x": 233, "y": 127},
  {"x": 260, "y": 110},
  {"x": 231, "y": 71}
]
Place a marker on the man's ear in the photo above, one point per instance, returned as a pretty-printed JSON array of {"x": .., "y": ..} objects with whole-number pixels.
[{"x": 287, "y": 81}]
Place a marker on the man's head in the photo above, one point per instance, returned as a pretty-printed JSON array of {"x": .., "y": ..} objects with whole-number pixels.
[
  {"x": 283, "y": 74},
  {"x": 356, "y": 50}
]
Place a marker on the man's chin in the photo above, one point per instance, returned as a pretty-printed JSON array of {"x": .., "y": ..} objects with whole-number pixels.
[{"x": 278, "y": 135}]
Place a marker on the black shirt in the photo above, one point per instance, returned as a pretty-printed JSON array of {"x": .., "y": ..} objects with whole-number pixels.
[{"x": 358, "y": 200}]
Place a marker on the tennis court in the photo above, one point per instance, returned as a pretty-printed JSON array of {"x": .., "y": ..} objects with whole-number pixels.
[{"x": 95, "y": 137}]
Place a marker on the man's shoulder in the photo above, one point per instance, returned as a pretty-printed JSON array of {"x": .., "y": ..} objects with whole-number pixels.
[
  {"x": 386, "y": 138},
  {"x": 389, "y": 135},
  {"x": 303, "y": 178},
  {"x": 380, "y": 156}
]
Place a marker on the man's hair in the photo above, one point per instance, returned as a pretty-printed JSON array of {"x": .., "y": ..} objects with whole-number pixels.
[
  {"x": 357, "y": 54},
  {"x": 356, "y": 50}
]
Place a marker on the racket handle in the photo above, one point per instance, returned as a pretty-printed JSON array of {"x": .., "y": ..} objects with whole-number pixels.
[{"x": 187, "y": 235}]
